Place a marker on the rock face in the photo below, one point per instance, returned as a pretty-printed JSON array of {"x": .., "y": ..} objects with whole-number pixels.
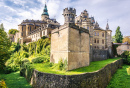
[{"x": 97, "y": 79}]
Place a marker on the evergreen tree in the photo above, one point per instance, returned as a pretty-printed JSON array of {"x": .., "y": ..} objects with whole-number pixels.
[{"x": 118, "y": 36}]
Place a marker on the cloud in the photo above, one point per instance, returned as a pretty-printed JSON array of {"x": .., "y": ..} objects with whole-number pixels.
[{"x": 117, "y": 11}]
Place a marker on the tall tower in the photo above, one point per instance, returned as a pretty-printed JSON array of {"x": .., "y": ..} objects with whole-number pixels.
[
  {"x": 45, "y": 14},
  {"x": 69, "y": 15},
  {"x": 108, "y": 36}
]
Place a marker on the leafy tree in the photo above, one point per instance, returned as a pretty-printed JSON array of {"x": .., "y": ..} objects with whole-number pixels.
[
  {"x": 118, "y": 36},
  {"x": 4, "y": 46},
  {"x": 126, "y": 39},
  {"x": 12, "y": 31}
]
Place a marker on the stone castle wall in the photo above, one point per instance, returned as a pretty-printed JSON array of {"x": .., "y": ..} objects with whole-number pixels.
[
  {"x": 97, "y": 55},
  {"x": 68, "y": 43},
  {"x": 97, "y": 79},
  {"x": 78, "y": 49}
]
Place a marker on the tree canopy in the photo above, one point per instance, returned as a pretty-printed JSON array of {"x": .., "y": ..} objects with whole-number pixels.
[
  {"x": 12, "y": 31},
  {"x": 126, "y": 39},
  {"x": 118, "y": 35},
  {"x": 4, "y": 45}
]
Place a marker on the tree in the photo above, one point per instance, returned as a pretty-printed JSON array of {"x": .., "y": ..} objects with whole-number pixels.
[
  {"x": 118, "y": 36},
  {"x": 12, "y": 31},
  {"x": 4, "y": 45},
  {"x": 126, "y": 39}
]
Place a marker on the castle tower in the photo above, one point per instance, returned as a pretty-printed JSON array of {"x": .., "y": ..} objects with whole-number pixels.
[
  {"x": 70, "y": 42},
  {"x": 107, "y": 26},
  {"x": 45, "y": 14},
  {"x": 69, "y": 15},
  {"x": 108, "y": 36}
]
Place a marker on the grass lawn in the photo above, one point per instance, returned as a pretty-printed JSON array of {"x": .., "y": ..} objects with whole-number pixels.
[
  {"x": 120, "y": 79},
  {"x": 94, "y": 66},
  {"x": 14, "y": 80}
]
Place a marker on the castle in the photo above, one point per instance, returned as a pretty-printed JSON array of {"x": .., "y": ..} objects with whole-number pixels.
[
  {"x": 32, "y": 30},
  {"x": 74, "y": 41}
]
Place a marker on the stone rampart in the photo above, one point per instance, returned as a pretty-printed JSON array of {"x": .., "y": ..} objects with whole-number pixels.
[{"x": 97, "y": 79}]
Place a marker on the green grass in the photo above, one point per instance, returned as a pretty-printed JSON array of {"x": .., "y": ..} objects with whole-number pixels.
[
  {"x": 94, "y": 66},
  {"x": 120, "y": 79},
  {"x": 14, "y": 80}
]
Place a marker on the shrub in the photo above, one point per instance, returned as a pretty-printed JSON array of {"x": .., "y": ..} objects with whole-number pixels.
[
  {"x": 126, "y": 57},
  {"x": 62, "y": 65},
  {"x": 38, "y": 59},
  {"x": 2, "y": 84},
  {"x": 26, "y": 70},
  {"x": 13, "y": 64}
]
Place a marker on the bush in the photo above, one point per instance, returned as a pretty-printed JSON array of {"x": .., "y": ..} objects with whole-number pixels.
[
  {"x": 26, "y": 70},
  {"x": 126, "y": 57},
  {"x": 38, "y": 60},
  {"x": 13, "y": 64},
  {"x": 9, "y": 69},
  {"x": 62, "y": 65},
  {"x": 2, "y": 84}
]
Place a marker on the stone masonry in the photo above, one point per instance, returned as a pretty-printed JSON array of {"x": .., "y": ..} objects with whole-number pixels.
[{"x": 70, "y": 42}]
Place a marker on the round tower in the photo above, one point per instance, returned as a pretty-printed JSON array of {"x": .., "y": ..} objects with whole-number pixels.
[
  {"x": 45, "y": 14},
  {"x": 69, "y": 15}
]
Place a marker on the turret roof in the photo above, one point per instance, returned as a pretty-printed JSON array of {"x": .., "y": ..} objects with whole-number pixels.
[{"x": 45, "y": 11}]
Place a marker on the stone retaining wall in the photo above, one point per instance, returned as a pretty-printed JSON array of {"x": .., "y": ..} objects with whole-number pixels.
[{"x": 97, "y": 79}]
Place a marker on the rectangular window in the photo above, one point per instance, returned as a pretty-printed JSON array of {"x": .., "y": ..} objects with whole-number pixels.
[
  {"x": 103, "y": 34},
  {"x": 30, "y": 28},
  {"x": 94, "y": 40},
  {"x": 102, "y": 41},
  {"x": 95, "y": 33},
  {"x": 88, "y": 28},
  {"x": 22, "y": 28},
  {"x": 98, "y": 41}
]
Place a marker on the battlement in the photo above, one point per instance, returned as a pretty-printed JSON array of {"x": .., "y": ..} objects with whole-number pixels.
[{"x": 69, "y": 11}]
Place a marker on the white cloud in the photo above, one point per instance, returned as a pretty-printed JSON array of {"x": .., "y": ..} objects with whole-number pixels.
[{"x": 116, "y": 11}]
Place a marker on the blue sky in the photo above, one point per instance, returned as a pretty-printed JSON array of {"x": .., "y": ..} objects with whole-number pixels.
[{"x": 13, "y": 12}]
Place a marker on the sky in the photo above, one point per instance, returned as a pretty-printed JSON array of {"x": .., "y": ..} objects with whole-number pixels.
[{"x": 13, "y": 12}]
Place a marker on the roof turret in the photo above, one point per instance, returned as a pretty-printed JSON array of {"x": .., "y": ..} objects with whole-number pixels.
[
  {"x": 45, "y": 11},
  {"x": 107, "y": 26}
]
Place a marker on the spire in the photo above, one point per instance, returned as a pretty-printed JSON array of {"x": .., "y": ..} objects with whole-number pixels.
[
  {"x": 96, "y": 25},
  {"x": 45, "y": 11},
  {"x": 107, "y": 26}
]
